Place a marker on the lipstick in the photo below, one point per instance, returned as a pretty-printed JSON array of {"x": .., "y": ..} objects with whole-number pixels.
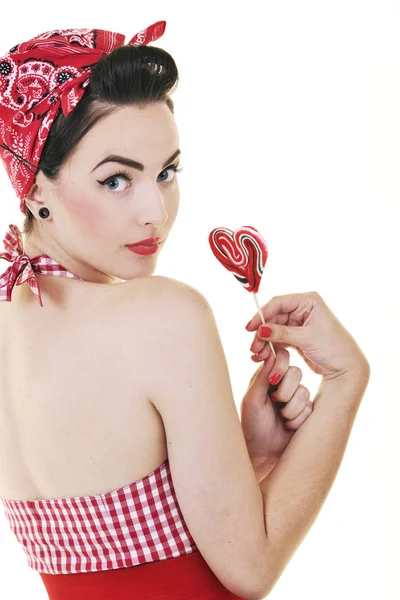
[{"x": 145, "y": 249}]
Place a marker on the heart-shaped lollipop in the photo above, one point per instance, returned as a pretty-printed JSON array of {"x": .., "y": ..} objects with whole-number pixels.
[{"x": 243, "y": 252}]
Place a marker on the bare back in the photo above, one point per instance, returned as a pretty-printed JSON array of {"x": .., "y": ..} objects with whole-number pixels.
[{"x": 75, "y": 416}]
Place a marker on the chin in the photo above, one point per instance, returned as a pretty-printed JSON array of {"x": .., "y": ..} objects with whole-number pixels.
[{"x": 140, "y": 270}]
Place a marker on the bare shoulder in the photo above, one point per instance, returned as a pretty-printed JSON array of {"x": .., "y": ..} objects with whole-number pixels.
[
  {"x": 186, "y": 312},
  {"x": 176, "y": 286},
  {"x": 164, "y": 292},
  {"x": 159, "y": 281},
  {"x": 164, "y": 313}
]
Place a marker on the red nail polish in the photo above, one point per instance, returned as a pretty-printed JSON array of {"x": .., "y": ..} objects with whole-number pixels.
[
  {"x": 276, "y": 377},
  {"x": 248, "y": 323},
  {"x": 265, "y": 331},
  {"x": 286, "y": 427}
]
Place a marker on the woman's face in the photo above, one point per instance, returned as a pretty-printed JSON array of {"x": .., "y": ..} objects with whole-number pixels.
[{"x": 97, "y": 209}]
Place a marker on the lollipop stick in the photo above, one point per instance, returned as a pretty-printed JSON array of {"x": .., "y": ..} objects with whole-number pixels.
[{"x": 263, "y": 320}]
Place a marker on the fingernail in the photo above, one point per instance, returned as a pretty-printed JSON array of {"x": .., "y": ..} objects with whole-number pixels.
[
  {"x": 275, "y": 378},
  {"x": 254, "y": 345},
  {"x": 265, "y": 331},
  {"x": 286, "y": 427},
  {"x": 248, "y": 323}
]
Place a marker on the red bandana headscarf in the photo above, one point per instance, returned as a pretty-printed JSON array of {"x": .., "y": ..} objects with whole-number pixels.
[{"x": 38, "y": 78}]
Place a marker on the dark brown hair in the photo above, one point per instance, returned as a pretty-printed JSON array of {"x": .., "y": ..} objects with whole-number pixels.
[{"x": 129, "y": 75}]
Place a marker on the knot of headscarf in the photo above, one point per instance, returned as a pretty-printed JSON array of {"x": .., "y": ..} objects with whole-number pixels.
[{"x": 37, "y": 79}]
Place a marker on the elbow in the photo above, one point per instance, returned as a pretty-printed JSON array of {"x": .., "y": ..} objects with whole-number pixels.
[
  {"x": 254, "y": 589},
  {"x": 264, "y": 591},
  {"x": 259, "y": 594},
  {"x": 263, "y": 588},
  {"x": 271, "y": 569}
]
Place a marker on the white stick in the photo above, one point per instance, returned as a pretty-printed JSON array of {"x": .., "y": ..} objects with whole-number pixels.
[{"x": 263, "y": 320}]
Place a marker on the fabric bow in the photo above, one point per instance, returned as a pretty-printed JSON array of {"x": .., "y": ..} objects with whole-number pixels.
[{"x": 23, "y": 268}]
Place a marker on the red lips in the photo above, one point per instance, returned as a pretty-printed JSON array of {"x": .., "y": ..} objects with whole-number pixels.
[{"x": 146, "y": 242}]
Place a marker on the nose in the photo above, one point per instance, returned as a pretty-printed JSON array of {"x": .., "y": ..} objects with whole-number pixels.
[{"x": 152, "y": 210}]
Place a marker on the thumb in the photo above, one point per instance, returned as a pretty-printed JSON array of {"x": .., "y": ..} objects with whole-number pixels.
[
  {"x": 261, "y": 376},
  {"x": 293, "y": 336}
]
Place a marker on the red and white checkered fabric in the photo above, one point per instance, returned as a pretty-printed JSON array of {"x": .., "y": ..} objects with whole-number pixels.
[
  {"x": 23, "y": 269},
  {"x": 139, "y": 523},
  {"x": 136, "y": 524}
]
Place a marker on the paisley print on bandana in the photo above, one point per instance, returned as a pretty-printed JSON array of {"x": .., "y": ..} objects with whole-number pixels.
[{"x": 42, "y": 76}]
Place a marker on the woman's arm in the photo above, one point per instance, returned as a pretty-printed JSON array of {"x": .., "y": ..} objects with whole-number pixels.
[
  {"x": 297, "y": 486},
  {"x": 263, "y": 467}
]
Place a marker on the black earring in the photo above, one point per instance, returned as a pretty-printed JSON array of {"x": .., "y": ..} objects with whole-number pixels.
[{"x": 44, "y": 213}]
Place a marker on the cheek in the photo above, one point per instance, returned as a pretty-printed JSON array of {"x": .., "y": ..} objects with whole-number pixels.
[
  {"x": 87, "y": 214},
  {"x": 174, "y": 207}
]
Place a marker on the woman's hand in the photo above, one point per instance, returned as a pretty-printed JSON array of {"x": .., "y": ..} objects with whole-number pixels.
[
  {"x": 270, "y": 414},
  {"x": 303, "y": 322},
  {"x": 306, "y": 323}
]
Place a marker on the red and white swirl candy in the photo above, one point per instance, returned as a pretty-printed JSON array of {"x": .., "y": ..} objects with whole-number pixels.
[{"x": 243, "y": 252}]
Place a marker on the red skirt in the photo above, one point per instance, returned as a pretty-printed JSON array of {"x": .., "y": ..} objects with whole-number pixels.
[{"x": 180, "y": 578}]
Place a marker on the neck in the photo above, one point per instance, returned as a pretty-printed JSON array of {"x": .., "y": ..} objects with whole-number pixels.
[{"x": 33, "y": 247}]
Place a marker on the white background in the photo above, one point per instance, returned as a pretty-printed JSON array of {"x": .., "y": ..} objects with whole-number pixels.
[{"x": 288, "y": 114}]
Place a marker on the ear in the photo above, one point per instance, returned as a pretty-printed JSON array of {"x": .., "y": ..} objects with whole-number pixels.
[{"x": 34, "y": 197}]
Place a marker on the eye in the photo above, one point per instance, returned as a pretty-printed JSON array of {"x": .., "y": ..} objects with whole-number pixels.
[
  {"x": 175, "y": 169},
  {"x": 112, "y": 182}
]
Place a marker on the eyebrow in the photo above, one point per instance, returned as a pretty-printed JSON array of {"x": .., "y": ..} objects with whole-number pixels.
[{"x": 132, "y": 163}]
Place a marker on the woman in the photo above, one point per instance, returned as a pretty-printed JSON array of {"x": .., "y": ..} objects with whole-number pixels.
[{"x": 111, "y": 376}]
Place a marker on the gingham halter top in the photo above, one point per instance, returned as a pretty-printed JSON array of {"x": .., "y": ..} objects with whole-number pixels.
[{"x": 138, "y": 523}]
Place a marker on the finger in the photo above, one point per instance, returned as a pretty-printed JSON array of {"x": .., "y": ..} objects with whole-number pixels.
[
  {"x": 270, "y": 366},
  {"x": 296, "y": 423},
  {"x": 293, "y": 307},
  {"x": 298, "y": 336},
  {"x": 263, "y": 373},
  {"x": 255, "y": 358},
  {"x": 280, "y": 363},
  {"x": 281, "y": 366},
  {"x": 277, "y": 305},
  {"x": 296, "y": 404},
  {"x": 288, "y": 385},
  {"x": 257, "y": 345},
  {"x": 276, "y": 345},
  {"x": 264, "y": 352},
  {"x": 279, "y": 320}
]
